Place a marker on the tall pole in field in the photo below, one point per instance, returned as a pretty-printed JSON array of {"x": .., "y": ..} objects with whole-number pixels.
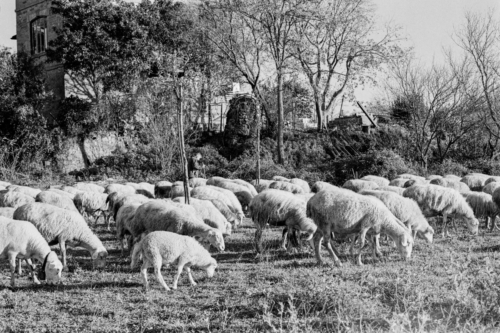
[{"x": 258, "y": 143}]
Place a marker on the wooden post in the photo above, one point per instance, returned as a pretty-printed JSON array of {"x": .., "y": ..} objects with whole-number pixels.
[
  {"x": 182, "y": 149},
  {"x": 221, "y": 113},
  {"x": 293, "y": 115},
  {"x": 258, "y": 143}
]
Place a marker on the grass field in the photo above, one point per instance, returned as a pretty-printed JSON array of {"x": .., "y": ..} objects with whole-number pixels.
[{"x": 452, "y": 285}]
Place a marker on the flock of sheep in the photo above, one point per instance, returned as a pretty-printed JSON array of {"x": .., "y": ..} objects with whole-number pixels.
[{"x": 160, "y": 228}]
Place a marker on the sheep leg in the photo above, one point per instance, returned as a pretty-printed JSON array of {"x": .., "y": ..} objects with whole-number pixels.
[
  {"x": 188, "y": 270},
  {"x": 62, "y": 246},
  {"x": 362, "y": 240},
  {"x": 159, "y": 277},
  {"x": 144, "y": 274},
  {"x": 258, "y": 240},
  {"x": 318, "y": 237},
  {"x": 443, "y": 231},
  {"x": 284, "y": 239},
  {"x": 180, "y": 267},
  {"x": 353, "y": 242},
  {"x": 19, "y": 266},
  {"x": 32, "y": 269},
  {"x": 12, "y": 262},
  {"x": 330, "y": 249}
]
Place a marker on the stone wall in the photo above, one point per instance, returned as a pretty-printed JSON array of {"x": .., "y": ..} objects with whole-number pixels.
[{"x": 73, "y": 154}]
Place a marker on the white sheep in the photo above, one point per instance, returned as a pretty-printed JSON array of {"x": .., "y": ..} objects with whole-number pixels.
[
  {"x": 88, "y": 187},
  {"x": 395, "y": 189},
  {"x": 71, "y": 189},
  {"x": 431, "y": 177},
  {"x": 158, "y": 215},
  {"x": 5, "y": 184},
  {"x": 56, "y": 199},
  {"x": 21, "y": 239},
  {"x": 380, "y": 181},
  {"x": 320, "y": 186},
  {"x": 163, "y": 247},
  {"x": 302, "y": 183},
  {"x": 162, "y": 189},
  {"x": 124, "y": 189},
  {"x": 93, "y": 204},
  {"x": 280, "y": 208},
  {"x": 124, "y": 222},
  {"x": 305, "y": 196},
  {"x": 195, "y": 182},
  {"x": 146, "y": 187},
  {"x": 61, "y": 192},
  {"x": 410, "y": 176},
  {"x": 438, "y": 200},
  {"x": 14, "y": 199},
  {"x": 474, "y": 181},
  {"x": 280, "y": 179},
  {"x": 357, "y": 185},
  {"x": 65, "y": 227},
  {"x": 286, "y": 186},
  {"x": 398, "y": 182},
  {"x": 411, "y": 182},
  {"x": 491, "y": 187},
  {"x": 231, "y": 186},
  {"x": 7, "y": 212},
  {"x": 482, "y": 205},
  {"x": 177, "y": 190},
  {"x": 227, "y": 197},
  {"x": 128, "y": 199},
  {"x": 346, "y": 213},
  {"x": 252, "y": 189},
  {"x": 209, "y": 213},
  {"x": 221, "y": 207},
  {"x": 454, "y": 177},
  {"x": 405, "y": 210},
  {"x": 32, "y": 192},
  {"x": 451, "y": 183}
]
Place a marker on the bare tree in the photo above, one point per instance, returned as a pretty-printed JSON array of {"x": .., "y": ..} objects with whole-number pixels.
[{"x": 337, "y": 42}]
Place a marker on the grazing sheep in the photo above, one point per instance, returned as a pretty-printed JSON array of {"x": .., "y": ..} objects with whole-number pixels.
[
  {"x": 492, "y": 179},
  {"x": 475, "y": 182},
  {"x": 410, "y": 176},
  {"x": 145, "y": 193},
  {"x": 411, "y": 182},
  {"x": 32, "y": 192},
  {"x": 431, "y": 177},
  {"x": 250, "y": 187},
  {"x": 147, "y": 187},
  {"x": 7, "y": 212},
  {"x": 124, "y": 223},
  {"x": 178, "y": 191},
  {"x": 357, "y": 185},
  {"x": 395, "y": 189},
  {"x": 61, "y": 192},
  {"x": 128, "y": 199},
  {"x": 71, "y": 189},
  {"x": 286, "y": 186},
  {"x": 14, "y": 199},
  {"x": 163, "y": 247},
  {"x": 158, "y": 215},
  {"x": 405, "y": 210},
  {"x": 221, "y": 207},
  {"x": 305, "y": 196},
  {"x": 280, "y": 179},
  {"x": 482, "y": 205},
  {"x": 438, "y": 200},
  {"x": 227, "y": 197},
  {"x": 457, "y": 178},
  {"x": 195, "y": 182},
  {"x": 209, "y": 213},
  {"x": 233, "y": 187},
  {"x": 5, "y": 184},
  {"x": 65, "y": 227},
  {"x": 89, "y": 187},
  {"x": 450, "y": 183},
  {"x": 320, "y": 186},
  {"x": 398, "y": 182},
  {"x": 93, "y": 204},
  {"x": 380, "y": 181},
  {"x": 262, "y": 186},
  {"x": 162, "y": 189},
  {"x": 57, "y": 200},
  {"x": 21, "y": 239},
  {"x": 244, "y": 198},
  {"x": 280, "y": 208},
  {"x": 346, "y": 213},
  {"x": 301, "y": 183},
  {"x": 124, "y": 189},
  {"x": 491, "y": 187}
]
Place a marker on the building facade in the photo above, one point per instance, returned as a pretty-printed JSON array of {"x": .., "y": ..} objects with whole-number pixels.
[{"x": 35, "y": 29}]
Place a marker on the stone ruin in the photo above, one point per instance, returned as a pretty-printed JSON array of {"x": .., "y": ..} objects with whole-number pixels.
[{"x": 241, "y": 121}]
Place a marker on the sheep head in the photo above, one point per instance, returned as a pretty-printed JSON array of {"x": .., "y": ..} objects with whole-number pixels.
[
  {"x": 216, "y": 239},
  {"x": 405, "y": 245},
  {"x": 429, "y": 234},
  {"x": 99, "y": 258},
  {"x": 52, "y": 268},
  {"x": 472, "y": 225},
  {"x": 210, "y": 268}
]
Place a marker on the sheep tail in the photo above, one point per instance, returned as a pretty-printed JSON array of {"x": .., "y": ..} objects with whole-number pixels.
[{"x": 136, "y": 255}]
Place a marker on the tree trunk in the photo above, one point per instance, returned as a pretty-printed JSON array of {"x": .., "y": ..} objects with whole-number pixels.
[
  {"x": 281, "y": 151},
  {"x": 319, "y": 115}
]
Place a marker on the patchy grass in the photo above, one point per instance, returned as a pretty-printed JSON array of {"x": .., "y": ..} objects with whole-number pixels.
[{"x": 452, "y": 285}]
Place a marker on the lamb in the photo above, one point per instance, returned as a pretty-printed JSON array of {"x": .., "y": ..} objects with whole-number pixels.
[
  {"x": 21, "y": 239},
  {"x": 158, "y": 215},
  {"x": 357, "y": 185},
  {"x": 89, "y": 187},
  {"x": 61, "y": 192},
  {"x": 320, "y": 186},
  {"x": 14, "y": 199},
  {"x": 434, "y": 199},
  {"x": 163, "y": 247},
  {"x": 92, "y": 203},
  {"x": 279, "y": 208},
  {"x": 209, "y": 213},
  {"x": 482, "y": 205},
  {"x": 124, "y": 189},
  {"x": 491, "y": 187},
  {"x": 345, "y": 213},
  {"x": 162, "y": 189},
  {"x": 380, "y": 181},
  {"x": 65, "y": 227},
  {"x": 398, "y": 182},
  {"x": 123, "y": 221},
  {"x": 475, "y": 182},
  {"x": 227, "y": 197},
  {"x": 57, "y": 200},
  {"x": 195, "y": 182},
  {"x": 32, "y": 192},
  {"x": 286, "y": 186},
  {"x": 7, "y": 212},
  {"x": 395, "y": 189},
  {"x": 405, "y": 210},
  {"x": 492, "y": 179}
]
